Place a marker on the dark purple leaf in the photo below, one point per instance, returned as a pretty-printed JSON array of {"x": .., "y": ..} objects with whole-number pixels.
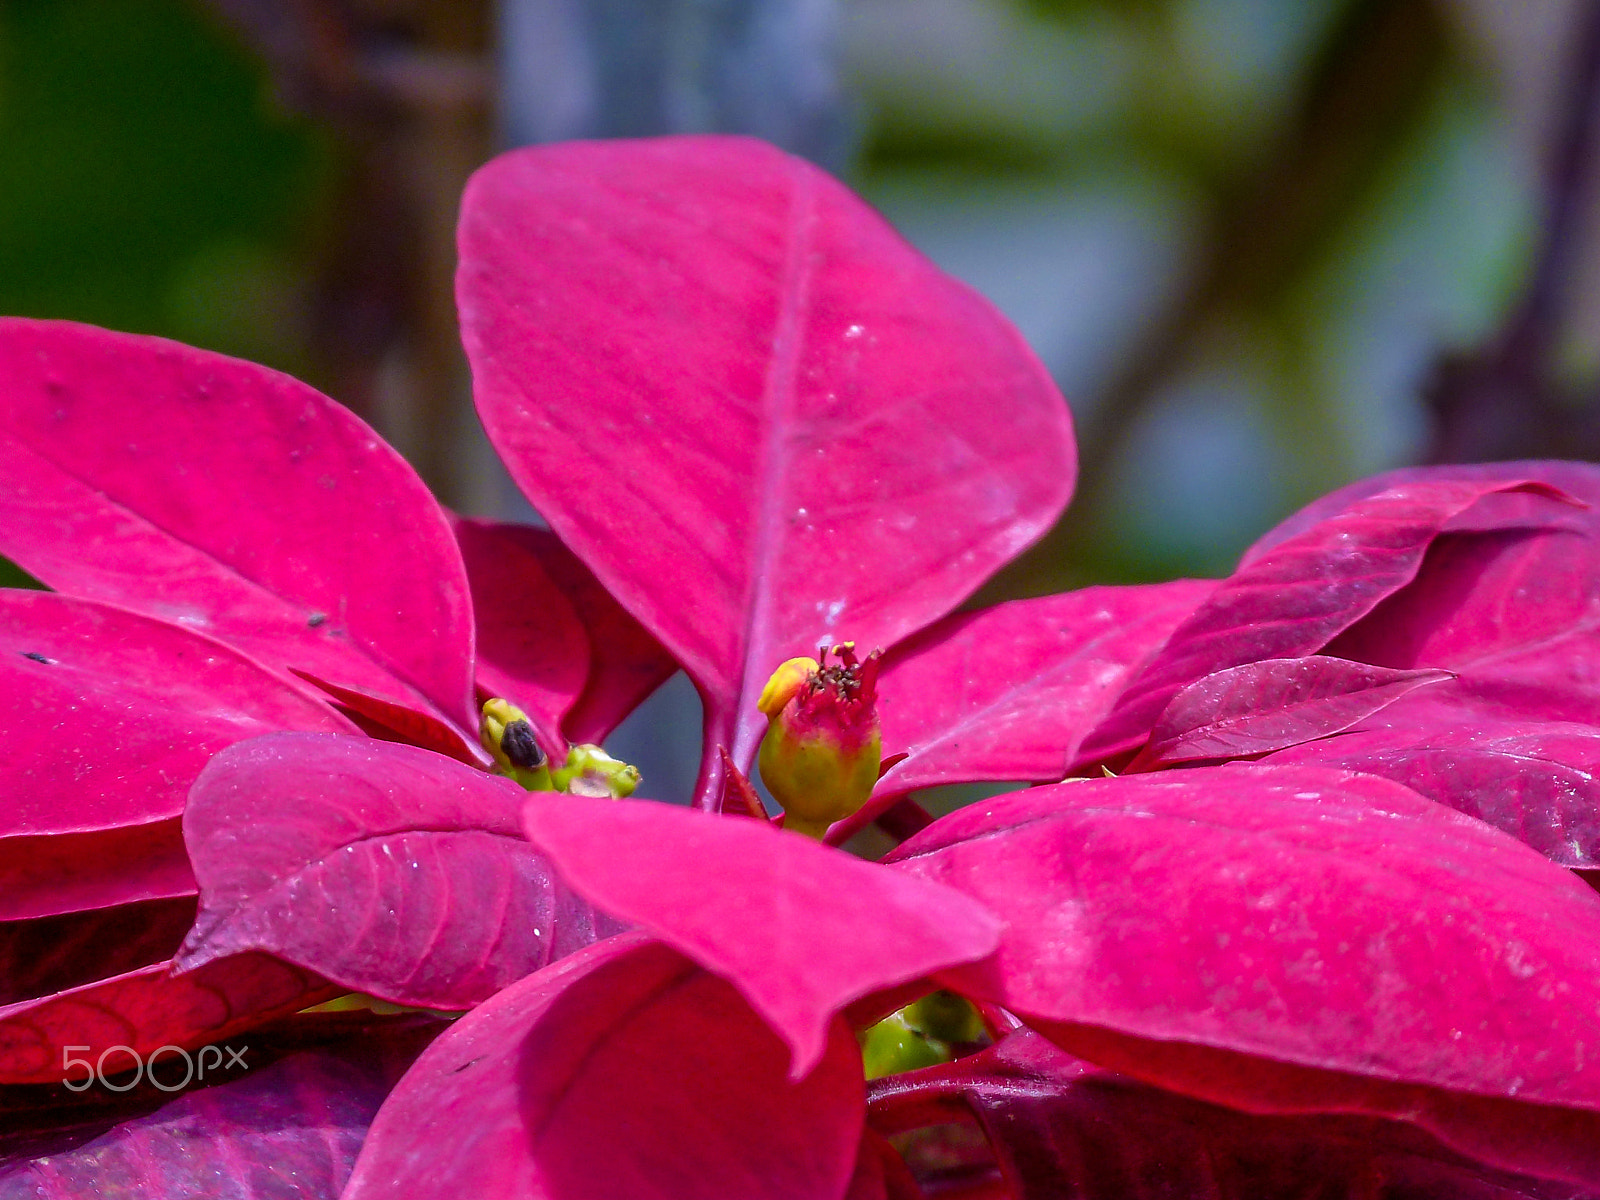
[
  {"x": 51, "y": 954},
  {"x": 760, "y": 417},
  {"x": 232, "y": 500},
  {"x": 1064, "y": 1130},
  {"x": 1295, "y": 597},
  {"x": 879, "y": 1173},
  {"x": 621, "y": 1072},
  {"x": 1271, "y": 705},
  {"x": 800, "y": 929},
  {"x": 107, "y": 718},
  {"x": 1295, "y": 939},
  {"x": 386, "y": 868},
  {"x": 289, "y": 1130}
]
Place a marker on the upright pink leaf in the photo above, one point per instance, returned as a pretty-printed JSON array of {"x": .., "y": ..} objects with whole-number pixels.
[
  {"x": 801, "y": 930},
  {"x": 1537, "y": 781},
  {"x": 145, "y": 1009},
  {"x": 621, "y": 1073},
  {"x": 1506, "y": 596},
  {"x": 108, "y": 717},
  {"x": 1296, "y": 596},
  {"x": 1270, "y": 705},
  {"x": 761, "y": 417},
  {"x": 386, "y": 868},
  {"x": 1009, "y": 692},
  {"x": 230, "y": 499},
  {"x": 1296, "y": 939},
  {"x": 288, "y": 1130},
  {"x": 1515, "y": 613},
  {"x": 739, "y": 796}
]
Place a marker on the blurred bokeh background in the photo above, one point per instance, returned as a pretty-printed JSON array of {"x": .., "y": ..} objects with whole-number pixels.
[{"x": 1266, "y": 246}]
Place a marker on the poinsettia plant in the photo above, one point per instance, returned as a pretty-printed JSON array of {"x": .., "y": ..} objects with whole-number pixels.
[{"x": 1297, "y": 908}]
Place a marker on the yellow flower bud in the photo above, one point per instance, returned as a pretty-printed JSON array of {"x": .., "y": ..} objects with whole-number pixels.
[{"x": 823, "y": 746}]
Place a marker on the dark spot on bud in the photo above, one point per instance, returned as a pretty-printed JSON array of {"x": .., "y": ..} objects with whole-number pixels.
[
  {"x": 519, "y": 747},
  {"x": 316, "y": 619},
  {"x": 37, "y": 657}
]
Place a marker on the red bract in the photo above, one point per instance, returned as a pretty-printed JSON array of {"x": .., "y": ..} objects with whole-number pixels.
[{"x": 760, "y": 426}]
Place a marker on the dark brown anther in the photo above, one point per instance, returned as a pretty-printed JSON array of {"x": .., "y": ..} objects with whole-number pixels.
[{"x": 518, "y": 744}]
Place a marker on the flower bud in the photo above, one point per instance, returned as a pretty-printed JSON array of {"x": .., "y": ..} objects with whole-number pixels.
[
  {"x": 823, "y": 745},
  {"x": 508, "y": 736},
  {"x": 893, "y": 1046},
  {"x": 932, "y": 1030},
  {"x": 590, "y": 771}
]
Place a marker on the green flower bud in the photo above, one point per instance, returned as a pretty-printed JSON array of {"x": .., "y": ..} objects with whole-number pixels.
[
  {"x": 946, "y": 1016},
  {"x": 823, "y": 745},
  {"x": 508, "y": 736},
  {"x": 892, "y": 1046},
  {"x": 921, "y": 1034}
]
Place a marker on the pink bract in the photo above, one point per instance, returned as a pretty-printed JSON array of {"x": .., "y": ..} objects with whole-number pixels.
[{"x": 410, "y": 866}]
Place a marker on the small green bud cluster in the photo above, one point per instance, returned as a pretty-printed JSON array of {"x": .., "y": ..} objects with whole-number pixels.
[{"x": 508, "y": 736}]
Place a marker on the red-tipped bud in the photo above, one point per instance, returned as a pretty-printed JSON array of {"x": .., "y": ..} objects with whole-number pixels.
[{"x": 823, "y": 745}]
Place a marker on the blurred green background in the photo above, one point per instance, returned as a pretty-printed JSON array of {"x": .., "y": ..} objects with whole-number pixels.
[{"x": 1238, "y": 231}]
